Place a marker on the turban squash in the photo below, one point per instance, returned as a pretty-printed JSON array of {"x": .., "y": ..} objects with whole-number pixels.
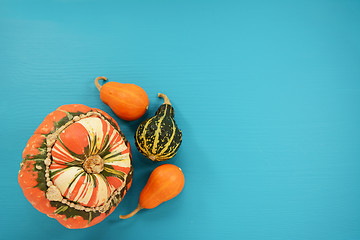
[{"x": 77, "y": 166}]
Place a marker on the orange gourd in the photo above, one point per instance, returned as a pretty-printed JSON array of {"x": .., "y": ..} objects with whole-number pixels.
[
  {"x": 165, "y": 183},
  {"x": 128, "y": 101}
]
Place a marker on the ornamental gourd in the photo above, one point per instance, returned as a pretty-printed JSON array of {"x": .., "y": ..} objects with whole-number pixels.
[
  {"x": 77, "y": 166},
  {"x": 165, "y": 183},
  {"x": 159, "y": 138},
  {"x": 128, "y": 101}
]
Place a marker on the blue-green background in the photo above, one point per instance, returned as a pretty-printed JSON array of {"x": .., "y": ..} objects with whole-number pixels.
[{"x": 266, "y": 93}]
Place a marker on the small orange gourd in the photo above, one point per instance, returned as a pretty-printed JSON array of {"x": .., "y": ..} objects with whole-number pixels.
[
  {"x": 165, "y": 183},
  {"x": 128, "y": 101}
]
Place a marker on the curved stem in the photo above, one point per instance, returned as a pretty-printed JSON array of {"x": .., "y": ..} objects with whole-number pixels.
[
  {"x": 139, "y": 207},
  {"x": 97, "y": 84},
  {"x": 166, "y": 99}
]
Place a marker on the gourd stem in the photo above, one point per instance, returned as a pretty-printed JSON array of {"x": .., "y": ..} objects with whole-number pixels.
[
  {"x": 139, "y": 207},
  {"x": 97, "y": 84},
  {"x": 166, "y": 99}
]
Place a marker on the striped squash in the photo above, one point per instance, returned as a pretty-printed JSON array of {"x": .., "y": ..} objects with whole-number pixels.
[
  {"x": 159, "y": 138},
  {"x": 77, "y": 166}
]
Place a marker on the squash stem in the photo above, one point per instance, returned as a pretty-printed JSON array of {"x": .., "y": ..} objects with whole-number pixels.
[
  {"x": 166, "y": 99},
  {"x": 97, "y": 84},
  {"x": 139, "y": 207}
]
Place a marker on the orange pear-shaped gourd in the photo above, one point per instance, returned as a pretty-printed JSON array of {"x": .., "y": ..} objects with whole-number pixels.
[
  {"x": 128, "y": 101},
  {"x": 165, "y": 183}
]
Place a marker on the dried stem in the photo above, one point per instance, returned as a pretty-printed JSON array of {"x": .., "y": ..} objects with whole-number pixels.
[
  {"x": 97, "y": 82},
  {"x": 166, "y": 99},
  {"x": 139, "y": 207}
]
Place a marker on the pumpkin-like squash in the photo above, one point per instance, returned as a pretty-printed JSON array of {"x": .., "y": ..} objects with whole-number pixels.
[{"x": 77, "y": 166}]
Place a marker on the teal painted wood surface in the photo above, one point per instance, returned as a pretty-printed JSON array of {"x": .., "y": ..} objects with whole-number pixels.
[{"x": 266, "y": 94}]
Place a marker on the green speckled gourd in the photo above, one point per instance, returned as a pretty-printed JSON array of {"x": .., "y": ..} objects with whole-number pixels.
[{"x": 158, "y": 138}]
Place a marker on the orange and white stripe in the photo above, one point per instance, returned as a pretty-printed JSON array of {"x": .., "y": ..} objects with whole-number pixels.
[{"x": 84, "y": 138}]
